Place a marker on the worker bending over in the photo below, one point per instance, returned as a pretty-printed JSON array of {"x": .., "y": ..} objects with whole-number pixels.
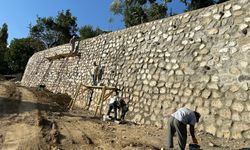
[{"x": 178, "y": 123}]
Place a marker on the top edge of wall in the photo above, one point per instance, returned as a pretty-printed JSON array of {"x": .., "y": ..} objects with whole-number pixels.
[{"x": 142, "y": 25}]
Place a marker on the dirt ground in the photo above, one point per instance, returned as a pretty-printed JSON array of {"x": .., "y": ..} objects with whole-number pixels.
[{"x": 32, "y": 119}]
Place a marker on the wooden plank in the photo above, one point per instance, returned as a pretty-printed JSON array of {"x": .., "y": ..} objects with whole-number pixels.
[
  {"x": 73, "y": 103},
  {"x": 75, "y": 96},
  {"x": 102, "y": 97},
  {"x": 100, "y": 87},
  {"x": 58, "y": 56},
  {"x": 70, "y": 103},
  {"x": 98, "y": 104},
  {"x": 107, "y": 96}
]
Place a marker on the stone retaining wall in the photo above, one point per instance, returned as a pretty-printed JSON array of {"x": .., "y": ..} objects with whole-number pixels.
[{"x": 198, "y": 60}]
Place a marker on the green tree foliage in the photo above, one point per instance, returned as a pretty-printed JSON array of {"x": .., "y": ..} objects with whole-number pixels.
[
  {"x": 116, "y": 7},
  {"x": 87, "y": 31},
  {"x": 19, "y": 52},
  {"x": 135, "y": 12},
  {"x": 3, "y": 48},
  {"x": 134, "y": 15},
  {"x": 221, "y": 1},
  {"x": 54, "y": 31},
  {"x": 156, "y": 11},
  {"x": 4, "y": 35},
  {"x": 196, "y": 4}
]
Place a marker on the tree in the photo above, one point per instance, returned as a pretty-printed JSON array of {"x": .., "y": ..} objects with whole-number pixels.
[
  {"x": 221, "y": 1},
  {"x": 134, "y": 15},
  {"x": 4, "y": 35},
  {"x": 196, "y": 4},
  {"x": 87, "y": 31},
  {"x": 19, "y": 52},
  {"x": 135, "y": 12},
  {"x": 54, "y": 31},
  {"x": 156, "y": 11},
  {"x": 3, "y": 48}
]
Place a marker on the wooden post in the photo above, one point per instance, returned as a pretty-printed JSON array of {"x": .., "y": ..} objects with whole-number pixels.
[
  {"x": 106, "y": 96},
  {"x": 101, "y": 97},
  {"x": 72, "y": 102}
]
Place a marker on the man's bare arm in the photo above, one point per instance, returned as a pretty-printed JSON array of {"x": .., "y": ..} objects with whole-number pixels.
[{"x": 192, "y": 132}]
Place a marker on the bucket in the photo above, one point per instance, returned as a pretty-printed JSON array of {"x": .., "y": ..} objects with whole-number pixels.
[{"x": 194, "y": 147}]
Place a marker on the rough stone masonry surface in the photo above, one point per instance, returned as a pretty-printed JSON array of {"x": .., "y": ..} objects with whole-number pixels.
[{"x": 198, "y": 60}]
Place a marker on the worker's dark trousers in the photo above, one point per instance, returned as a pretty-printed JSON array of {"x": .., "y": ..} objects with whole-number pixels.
[
  {"x": 176, "y": 126},
  {"x": 94, "y": 78},
  {"x": 111, "y": 107}
]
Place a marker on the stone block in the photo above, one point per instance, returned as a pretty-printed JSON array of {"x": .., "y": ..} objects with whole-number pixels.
[
  {"x": 197, "y": 28},
  {"x": 203, "y": 110},
  {"x": 189, "y": 71},
  {"x": 245, "y": 86},
  {"x": 179, "y": 72},
  {"x": 211, "y": 129},
  {"x": 236, "y": 135},
  {"x": 175, "y": 66},
  {"x": 163, "y": 90},
  {"x": 234, "y": 88},
  {"x": 169, "y": 39},
  {"x": 245, "y": 116},
  {"x": 217, "y": 103},
  {"x": 187, "y": 92},
  {"x": 247, "y": 106},
  {"x": 137, "y": 118},
  {"x": 198, "y": 101},
  {"x": 240, "y": 127},
  {"x": 241, "y": 96},
  {"x": 224, "y": 50},
  {"x": 213, "y": 31},
  {"x": 224, "y": 133},
  {"x": 216, "y": 94},
  {"x": 227, "y": 14},
  {"x": 219, "y": 122},
  {"x": 247, "y": 19},
  {"x": 239, "y": 107},
  {"x": 184, "y": 100},
  {"x": 243, "y": 26},
  {"x": 206, "y": 93},
  {"x": 217, "y": 16},
  {"x": 225, "y": 113},
  {"x": 236, "y": 7},
  {"x": 228, "y": 6},
  {"x": 236, "y": 116},
  {"x": 177, "y": 85},
  {"x": 174, "y": 91},
  {"x": 204, "y": 51},
  {"x": 152, "y": 83},
  {"x": 246, "y": 134},
  {"x": 213, "y": 86}
]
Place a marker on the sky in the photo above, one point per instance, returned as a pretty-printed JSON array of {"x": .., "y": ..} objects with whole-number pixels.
[{"x": 18, "y": 14}]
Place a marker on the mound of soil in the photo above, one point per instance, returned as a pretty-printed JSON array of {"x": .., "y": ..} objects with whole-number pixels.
[{"x": 45, "y": 95}]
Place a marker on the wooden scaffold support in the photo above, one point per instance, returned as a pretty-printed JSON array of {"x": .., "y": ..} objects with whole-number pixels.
[{"x": 103, "y": 97}]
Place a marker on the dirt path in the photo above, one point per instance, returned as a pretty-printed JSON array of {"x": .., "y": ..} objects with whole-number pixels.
[{"x": 22, "y": 116}]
